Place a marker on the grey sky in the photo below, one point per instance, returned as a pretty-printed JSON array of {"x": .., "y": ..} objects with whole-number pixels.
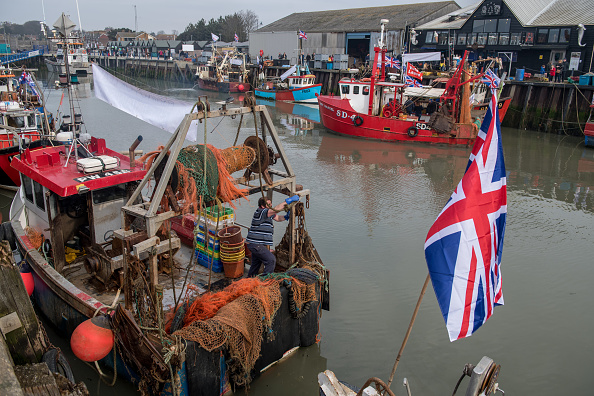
[{"x": 156, "y": 15}]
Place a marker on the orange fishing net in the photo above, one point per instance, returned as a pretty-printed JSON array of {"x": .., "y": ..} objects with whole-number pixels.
[
  {"x": 34, "y": 236},
  {"x": 238, "y": 157},
  {"x": 234, "y": 318}
]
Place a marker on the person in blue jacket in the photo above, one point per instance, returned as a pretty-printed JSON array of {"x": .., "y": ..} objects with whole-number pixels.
[{"x": 259, "y": 238}]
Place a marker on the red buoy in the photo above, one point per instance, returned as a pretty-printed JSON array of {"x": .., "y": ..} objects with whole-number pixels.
[
  {"x": 240, "y": 87},
  {"x": 92, "y": 339},
  {"x": 28, "y": 281}
]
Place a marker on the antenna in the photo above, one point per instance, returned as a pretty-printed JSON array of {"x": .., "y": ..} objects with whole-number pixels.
[
  {"x": 79, "y": 22},
  {"x": 383, "y": 23},
  {"x": 135, "y": 20}
]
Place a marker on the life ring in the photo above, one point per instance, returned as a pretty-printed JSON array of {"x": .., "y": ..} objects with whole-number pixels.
[
  {"x": 71, "y": 52},
  {"x": 412, "y": 131},
  {"x": 366, "y": 80},
  {"x": 358, "y": 121}
]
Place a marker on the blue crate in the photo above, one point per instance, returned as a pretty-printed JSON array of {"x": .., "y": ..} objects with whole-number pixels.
[{"x": 204, "y": 260}]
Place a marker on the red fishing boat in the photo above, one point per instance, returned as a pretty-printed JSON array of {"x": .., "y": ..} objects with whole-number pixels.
[
  {"x": 228, "y": 75},
  {"x": 375, "y": 108}
]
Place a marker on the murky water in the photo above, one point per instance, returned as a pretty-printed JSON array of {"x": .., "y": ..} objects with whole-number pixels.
[{"x": 372, "y": 205}]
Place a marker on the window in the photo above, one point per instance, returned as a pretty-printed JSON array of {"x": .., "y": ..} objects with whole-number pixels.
[
  {"x": 478, "y": 25},
  {"x": 429, "y": 37},
  {"x": 39, "y": 199},
  {"x": 346, "y": 89},
  {"x": 553, "y": 35},
  {"x": 31, "y": 120},
  {"x": 493, "y": 38},
  {"x": 365, "y": 90},
  {"x": 529, "y": 38},
  {"x": 443, "y": 38},
  {"x": 514, "y": 39},
  {"x": 503, "y": 38},
  {"x": 481, "y": 39},
  {"x": 541, "y": 38},
  {"x": 356, "y": 90},
  {"x": 503, "y": 25},
  {"x": 16, "y": 122},
  {"x": 462, "y": 39},
  {"x": 28, "y": 188},
  {"x": 565, "y": 35},
  {"x": 490, "y": 26},
  {"x": 110, "y": 194},
  {"x": 472, "y": 38}
]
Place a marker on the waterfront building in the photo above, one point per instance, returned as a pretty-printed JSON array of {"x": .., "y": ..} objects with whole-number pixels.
[{"x": 527, "y": 33}]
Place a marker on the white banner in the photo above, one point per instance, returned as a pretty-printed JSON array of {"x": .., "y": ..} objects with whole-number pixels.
[
  {"x": 421, "y": 57},
  {"x": 161, "y": 111},
  {"x": 288, "y": 72},
  {"x": 187, "y": 47},
  {"x": 236, "y": 61}
]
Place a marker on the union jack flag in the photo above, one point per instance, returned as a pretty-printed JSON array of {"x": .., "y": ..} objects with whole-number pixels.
[
  {"x": 411, "y": 82},
  {"x": 302, "y": 35},
  {"x": 236, "y": 37},
  {"x": 464, "y": 245},
  {"x": 491, "y": 79},
  {"x": 392, "y": 62}
]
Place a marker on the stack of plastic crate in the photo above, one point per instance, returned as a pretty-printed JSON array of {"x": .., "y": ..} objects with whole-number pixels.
[{"x": 214, "y": 219}]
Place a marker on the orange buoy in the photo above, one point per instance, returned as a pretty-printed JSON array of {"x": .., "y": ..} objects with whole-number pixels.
[
  {"x": 92, "y": 339},
  {"x": 28, "y": 281},
  {"x": 27, "y": 277},
  {"x": 240, "y": 87}
]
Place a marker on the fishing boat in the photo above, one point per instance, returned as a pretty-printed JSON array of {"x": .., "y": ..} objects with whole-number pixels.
[
  {"x": 83, "y": 224},
  {"x": 229, "y": 75},
  {"x": 23, "y": 120},
  {"x": 71, "y": 56},
  {"x": 295, "y": 85},
  {"x": 375, "y": 108}
]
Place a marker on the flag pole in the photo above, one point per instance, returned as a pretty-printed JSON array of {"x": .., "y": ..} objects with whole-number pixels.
[{"x": 410, "y": 325}]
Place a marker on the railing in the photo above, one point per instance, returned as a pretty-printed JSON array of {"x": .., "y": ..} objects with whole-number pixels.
[{"x": 20, "y": 56}]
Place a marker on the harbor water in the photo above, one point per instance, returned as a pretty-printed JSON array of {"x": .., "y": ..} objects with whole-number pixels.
[{"x": 371, "y": 206}]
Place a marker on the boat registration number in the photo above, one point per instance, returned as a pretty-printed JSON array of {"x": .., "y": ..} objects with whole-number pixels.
[{"x": 101, "y": 175}]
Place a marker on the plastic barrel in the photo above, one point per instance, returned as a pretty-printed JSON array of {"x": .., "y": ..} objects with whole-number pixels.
[{"x": 519, "y": 74}]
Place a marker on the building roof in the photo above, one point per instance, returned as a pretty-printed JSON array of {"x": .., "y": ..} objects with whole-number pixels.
[
  {"x": 361, "y": 19},
  {"x": 552, "y": 12},
  {"x": 452, "y": 20}
]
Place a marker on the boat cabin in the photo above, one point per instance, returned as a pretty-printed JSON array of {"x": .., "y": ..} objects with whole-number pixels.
[
  {"x": 301, "y": 81},
  {"x": 76, "y": 53},
  {"x": 79, "y": 201}
]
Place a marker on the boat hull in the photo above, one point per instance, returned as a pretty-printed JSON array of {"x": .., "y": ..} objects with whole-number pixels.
[
  {"x": 339, "y": 117},
  {"x": 81, "y": 69},
  {"x": 589, "y": 134},
  {"x": 307, "y": 94},
  {"x": 225, "y": 86},
  {"x": 205, "y": 373}
]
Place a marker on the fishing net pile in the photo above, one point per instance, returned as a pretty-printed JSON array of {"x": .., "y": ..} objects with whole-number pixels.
[
  {"x": 237, "y": 318},
  {"x": 204, "y": 173}
]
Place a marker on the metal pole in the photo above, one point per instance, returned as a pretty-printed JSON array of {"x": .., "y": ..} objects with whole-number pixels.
[{"x": 412, "y": 321}]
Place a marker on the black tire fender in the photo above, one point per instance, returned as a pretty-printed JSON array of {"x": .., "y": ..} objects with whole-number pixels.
[
  {"x": 412, "y": 131},
  {"x": 57, "y": 363},
  {"x": 358, "y": 121}
]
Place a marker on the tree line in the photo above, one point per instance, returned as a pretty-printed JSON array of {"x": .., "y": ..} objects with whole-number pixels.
[{"x": 240, "y": 23}]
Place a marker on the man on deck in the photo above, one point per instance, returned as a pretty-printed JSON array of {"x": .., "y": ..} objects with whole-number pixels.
[{"x": 259, "y": 238}]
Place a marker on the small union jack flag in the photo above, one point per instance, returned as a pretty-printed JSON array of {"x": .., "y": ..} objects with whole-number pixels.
[
  {"x": 392, "y": 62},
  {"x": 236, "y": 37},
  {"x": 464, "y": 245},
  {"x": 302, "y": 35},
  {"x": 411, "y": 82},
  {"x": 491, "y": 79}
]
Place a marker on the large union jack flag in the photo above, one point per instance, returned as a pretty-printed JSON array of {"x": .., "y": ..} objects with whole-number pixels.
[
  {"x": 463, "y": 247},
  {"x": 392, "y": 62},
  {"x": 491, "y": 79}
]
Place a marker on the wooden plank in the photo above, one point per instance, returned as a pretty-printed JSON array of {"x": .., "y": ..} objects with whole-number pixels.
[
  {"x": 145, "y": 246},
  {"x": 9, "y": 384}
]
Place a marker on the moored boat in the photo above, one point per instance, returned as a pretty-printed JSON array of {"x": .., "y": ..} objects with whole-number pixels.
[
  {"x": 229, "y": 75},
  {"x": 71, "y": 55},
  {"x": 104, "y": 237},
  {"x": 374, "y": 108},
  {"x": 297, "y": 88}
]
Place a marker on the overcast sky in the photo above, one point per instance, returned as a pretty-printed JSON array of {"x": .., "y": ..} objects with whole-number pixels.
[{"x": 156, "y": 15}]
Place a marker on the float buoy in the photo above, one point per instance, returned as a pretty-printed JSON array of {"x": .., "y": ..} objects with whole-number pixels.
[
  {"x": 358, "y": 120},
  {"x": 27, "y": 277},
  {"x": 92, "y": 339},
  {"x": 240, "y": 87}
]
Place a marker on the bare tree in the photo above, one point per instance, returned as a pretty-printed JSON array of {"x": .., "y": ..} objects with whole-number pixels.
[{"x": 250, "y": 20}]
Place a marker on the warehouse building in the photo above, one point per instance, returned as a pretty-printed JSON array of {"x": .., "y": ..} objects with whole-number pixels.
[{"x": 352, "y": 31}]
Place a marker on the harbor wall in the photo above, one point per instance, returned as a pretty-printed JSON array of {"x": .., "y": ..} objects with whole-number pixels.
[{"x": 561, "y": 108}]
